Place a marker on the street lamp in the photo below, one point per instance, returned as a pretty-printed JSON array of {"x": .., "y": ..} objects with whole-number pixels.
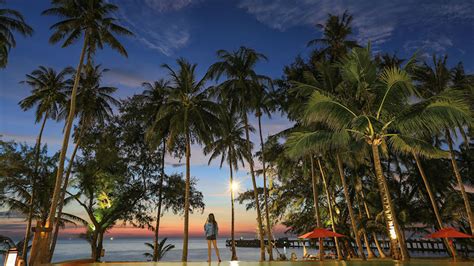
[{"x": 234, "y": 186}]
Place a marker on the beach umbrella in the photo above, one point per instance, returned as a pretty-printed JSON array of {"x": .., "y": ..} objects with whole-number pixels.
[
  {"x": 320, "y": 233},
  {"x": 448, "y": 232}
]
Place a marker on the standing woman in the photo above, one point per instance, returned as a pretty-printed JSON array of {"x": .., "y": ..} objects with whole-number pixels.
[{"x": 211, "y": 229}]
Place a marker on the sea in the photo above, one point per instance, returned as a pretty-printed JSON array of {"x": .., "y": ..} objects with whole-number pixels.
[{"x": 132, "y": 249}]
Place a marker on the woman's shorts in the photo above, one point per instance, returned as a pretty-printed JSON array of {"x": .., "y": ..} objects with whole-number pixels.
[{"x": 212, "y": 237}]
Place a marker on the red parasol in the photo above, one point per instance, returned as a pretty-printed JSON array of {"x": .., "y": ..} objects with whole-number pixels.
[
  {"x": 448, "y": 232},
  {"x": 320, "y": 233}
]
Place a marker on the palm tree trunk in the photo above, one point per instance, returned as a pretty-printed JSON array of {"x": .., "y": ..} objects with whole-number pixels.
[
  {"x": 186, "y": 198},
  {"x": 450, "y": 250},
  {"x": 467, "y": 203},
  {"x": 265, "y": 192},
  {"x": 397, "y": 241},
  {"x": 374, "y": 235},
  {"x": 43, "y": 250},
  {"x": 255, "y": 190},
  {"x": 61, "y": 198},
  {"x": 349, "y": 206},
  {"x": 317, "y": 215},
  {"x": 370, "y": 254},
  {"x": 160, "y": 202},
  {"x": 33, "y": 192},
  {"x": 330, "y": 207},
  {"x": 232, "y": 223}
]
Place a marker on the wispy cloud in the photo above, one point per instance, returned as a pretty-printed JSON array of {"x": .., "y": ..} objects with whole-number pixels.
[
  {"x": 374, "y": 21},
  {"x": 118, "y": 76},
  {"x": 169, "y": 5},
  {"x": 437, "y": 45},
  {"x": 153, "y": 24}
]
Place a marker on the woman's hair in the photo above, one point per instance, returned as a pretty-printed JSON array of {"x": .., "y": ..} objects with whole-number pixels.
[{"x": 211, "y": 219}]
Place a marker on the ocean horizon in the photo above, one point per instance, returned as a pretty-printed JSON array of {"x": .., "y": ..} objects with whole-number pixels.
[{"x": 132, "y": 249}]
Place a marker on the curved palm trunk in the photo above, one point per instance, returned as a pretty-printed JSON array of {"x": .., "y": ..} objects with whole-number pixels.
[
  {"x": 255, "y": 191},
  {"x": 265, "y": 192},
  {"x": 61, "y": 203},
  {"x": 43, "y": 248},
  {"x": 349, "y": 206},
  {"x": 232, "y": 225},
  {"x": 374, "y": 235},
  {"x": 317, "y": 215},
  {"x": 467, "y": 203},
  {"x": 330, "y": 207},
  {"x": 450, "y": 250},
  {"x": 33, "y": 192},
  {"x": 156, "y": 254},
  {"x": 397, "y": 241},
  {"x": 184, "y": 258}
]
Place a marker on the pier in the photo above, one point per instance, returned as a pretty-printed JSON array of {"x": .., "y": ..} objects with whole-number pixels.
[{"x": 417, "y": 245}]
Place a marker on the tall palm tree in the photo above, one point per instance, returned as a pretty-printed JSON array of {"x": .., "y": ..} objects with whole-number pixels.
[
  {"x": 320, "y": 142},
  {"x": 241, "y": 86},
  {"x": 10, "y": 21},
  {"x": 434, "y": 80},
  {"x": 48, "y": 96},
  {"x": 387, "y": 118},
  {"x": 191, "y": 115},
  {"x": 231, "y": 146},
  {"x": 155, "y": 96},
  {"x": 94, "y": 105},
  {"x": 93, "y": 20},
  {"x": 335, "y": 41},
  {"x": 264, "y": 104}
]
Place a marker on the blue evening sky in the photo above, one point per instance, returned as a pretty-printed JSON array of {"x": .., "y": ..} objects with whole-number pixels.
[{"x": 196, "y": 29}]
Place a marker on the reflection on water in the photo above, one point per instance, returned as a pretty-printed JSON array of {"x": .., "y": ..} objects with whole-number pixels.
[{"x": 133, "y": 249}]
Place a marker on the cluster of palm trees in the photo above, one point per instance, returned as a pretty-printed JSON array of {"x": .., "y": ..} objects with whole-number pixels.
[{"x": 348, "y": 108}]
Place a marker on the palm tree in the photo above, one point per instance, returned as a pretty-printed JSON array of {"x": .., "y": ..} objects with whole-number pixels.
[
  {"x": 264, "y": 104},
  {"x": 241, "y": 86},
  {"x": 48, "y": 96},
  {"x": 388, "y": 118},
  {"x": 191, "y": 116},
  {"x": 231, "y": 146},
  {"x": 155, "y": 96},
  {"x": 162, "y": 250},
  {"x": 319, "y": 142},
  {"x": 336, "y": 30},
  {"x": 433, "y": 81},
  {"x": 94, "y": 106},
  {"x": 92, "y": 20},
  {"x": 10, "y": 21}
]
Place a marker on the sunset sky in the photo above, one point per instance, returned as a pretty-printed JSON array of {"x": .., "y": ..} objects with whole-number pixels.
[{"x": 196, "y": 29}]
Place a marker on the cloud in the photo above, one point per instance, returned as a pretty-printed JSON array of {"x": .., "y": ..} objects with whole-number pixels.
[
  {"x": 31, "y": 139},
  {"x": 124, "y": 77},
  {"x": 437, "y": 45},
  {"x": 153, "y": 24},
  {"x": 373, "y": 20},
  {"x": 168, "y": 5}
]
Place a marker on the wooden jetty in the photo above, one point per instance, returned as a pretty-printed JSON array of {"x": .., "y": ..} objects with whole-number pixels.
[{"x": 417, "y": 245}]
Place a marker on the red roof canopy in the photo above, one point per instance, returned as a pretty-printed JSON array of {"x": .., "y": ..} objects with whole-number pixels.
[
  {"x": 448, "y": 232},
  {"x": 320, "y": 233}
]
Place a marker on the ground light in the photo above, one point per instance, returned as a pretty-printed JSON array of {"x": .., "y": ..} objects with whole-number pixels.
[{"x": 11, "y": 257}]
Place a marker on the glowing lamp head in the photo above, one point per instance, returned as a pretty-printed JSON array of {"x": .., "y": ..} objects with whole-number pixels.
[{"x": 234, "y": 186}]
